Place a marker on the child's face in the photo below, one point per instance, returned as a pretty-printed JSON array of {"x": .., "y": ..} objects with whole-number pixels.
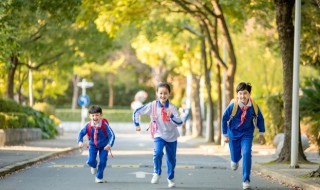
[
  {"x": 243, "y": 96},
  {"x": 95, "y": 117},
  {"x": 163, "y": 94}
]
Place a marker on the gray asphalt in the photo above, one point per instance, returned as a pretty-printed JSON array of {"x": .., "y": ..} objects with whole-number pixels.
[{"x": 199, "y": 166}]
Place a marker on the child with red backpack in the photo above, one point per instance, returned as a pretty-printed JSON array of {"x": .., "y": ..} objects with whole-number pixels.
[
  {"x": 101, "y": 139},
  {"x": 164, "y": 121}
]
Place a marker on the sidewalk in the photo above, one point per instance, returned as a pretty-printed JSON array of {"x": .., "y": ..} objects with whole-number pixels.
[{"x": 14, "y": 158}]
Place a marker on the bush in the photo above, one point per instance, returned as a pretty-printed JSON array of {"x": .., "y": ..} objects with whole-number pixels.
[
  {"x": 273, "y": 113},
  {"x": 43, "y": 122},
  {"x": 55, "y": 120},
  {"x": 31, "y": 118},
  {"x": 22, "y": 119},
  {"x": 113, "y": 115},
  {"x": 2, "y": 121},
  {"x": 45, "y": 108},
  {"x": 7, "y": 105}
]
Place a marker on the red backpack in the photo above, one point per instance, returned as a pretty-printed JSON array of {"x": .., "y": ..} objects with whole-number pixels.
[{"x": 103, "y": 126}]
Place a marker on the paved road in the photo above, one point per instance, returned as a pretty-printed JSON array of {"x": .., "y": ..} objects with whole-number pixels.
[{"x": 131, "y": 168}]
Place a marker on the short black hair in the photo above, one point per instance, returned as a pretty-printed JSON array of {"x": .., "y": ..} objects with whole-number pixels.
[
  {"x": 95, "y": 109},
  {"x": 164, "y": 84},
  {"x": 244, "y": 86}
]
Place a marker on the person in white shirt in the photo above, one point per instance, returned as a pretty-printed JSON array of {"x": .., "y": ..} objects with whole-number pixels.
[{"x": 165, "y": 119}]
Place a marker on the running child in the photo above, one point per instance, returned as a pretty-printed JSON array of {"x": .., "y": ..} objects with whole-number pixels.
[
  {"x": 101, "y": 139},
  {"x": 238, "y": 130},
  {"x": 165, "y": 132}
]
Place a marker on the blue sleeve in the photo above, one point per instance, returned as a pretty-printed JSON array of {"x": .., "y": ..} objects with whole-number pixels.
[
  {"x": 111, "y": 135},
  {"x": 260, "y": 121},
  {"x": 225, "y": 119},
  {"x": 143, "y": 110},
  {"x": 175, "y": 116},
  {"x": 82, "y": 133}
]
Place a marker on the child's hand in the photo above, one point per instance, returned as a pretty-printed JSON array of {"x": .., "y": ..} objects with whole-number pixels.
[
  {"x": 169, "y": 113},
  {"x": 108, "y": 147},
  {"x": 80, "y": 144},
  {"x": 262, "y": 140},
  {"x": 226, "y": 139},
  {"x": 138, "y": 128}
]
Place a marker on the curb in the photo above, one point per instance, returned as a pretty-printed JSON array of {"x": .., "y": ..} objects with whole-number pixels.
[
  {"x": 21, "y": 165},
  {"x": 292, "y": 180}
]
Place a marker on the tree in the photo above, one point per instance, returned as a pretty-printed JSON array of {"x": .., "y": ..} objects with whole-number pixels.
[
  {"x": 30, "y": 35},
  {"x": 285, "y": 28}
]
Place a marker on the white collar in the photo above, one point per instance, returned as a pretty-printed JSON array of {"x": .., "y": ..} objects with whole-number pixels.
[
  {"x": 98, "y": 125},
  {"x": 242, "y": 105}
]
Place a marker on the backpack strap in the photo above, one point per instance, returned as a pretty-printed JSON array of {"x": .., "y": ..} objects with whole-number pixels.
[
  {"x": 103, "y": 126},
  {"x": 154, "y": 110},
  {"x": 89, "y": 130},
  {"x": 255, "y": 107},
  {"x": 235, "y": 107}
]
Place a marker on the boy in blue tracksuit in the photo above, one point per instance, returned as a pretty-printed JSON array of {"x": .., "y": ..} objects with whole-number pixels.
[
  {"x": 238, "y": 130},
  {"x": 101, "y": 139}
]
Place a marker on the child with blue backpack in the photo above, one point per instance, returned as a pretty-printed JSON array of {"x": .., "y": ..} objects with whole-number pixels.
[
  {"x": 164, "y": 121},
  {"x": 101, "y": 139},
  {"x": 238, "y": 123}
]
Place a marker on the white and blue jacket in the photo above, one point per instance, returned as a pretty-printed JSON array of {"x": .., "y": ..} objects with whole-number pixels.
[{"x": 166, "y": 130}]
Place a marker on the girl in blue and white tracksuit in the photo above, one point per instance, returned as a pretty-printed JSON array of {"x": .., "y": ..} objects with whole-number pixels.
[
  {"x": 167, "y": 119},
  {"x": 238, "y": 130}
]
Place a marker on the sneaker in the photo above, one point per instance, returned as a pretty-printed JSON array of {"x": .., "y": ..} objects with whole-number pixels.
[
  {"x": 93, "y": 171},
  {"x": 171, "y": 183},
  {"x": 99, "y": 180},
  {"x": 246, "y": 185},
  {"x": 155, "y": 178},
  {"x": 234, "y": 166}
]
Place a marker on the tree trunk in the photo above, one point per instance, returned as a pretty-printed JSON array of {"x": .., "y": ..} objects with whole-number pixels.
[
  {"x": 160, "y": 74},
  {"x": 231, "y": 67},
  {"x": 219, "y": 105},
  {"x": 195, "y": 107},
  {"x": 10, "y": 77},
  {"x": 207, "y": 75},
  {"x": 75, "y": 80},
  {"x": 285, "y": 29}
]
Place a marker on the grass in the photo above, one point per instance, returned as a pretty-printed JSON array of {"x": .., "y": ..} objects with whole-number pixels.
[{"x": 113, "y": 115}]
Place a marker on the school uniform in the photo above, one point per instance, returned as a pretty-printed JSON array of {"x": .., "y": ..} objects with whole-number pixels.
[
  {"x": 165, "y": 136},
  {"x": 240, "y": 132},
  {"x": 101, "y": 142}
]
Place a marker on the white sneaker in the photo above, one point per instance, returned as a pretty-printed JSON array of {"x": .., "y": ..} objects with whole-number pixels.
[
  {"x": 246, "y": 185},
  {"x": 155, "y": 178},
  {"x": 234, "y": 166},
  {"x": 93, "y": 171},
  {"x": 171, "y": 183},
  {"x": 99, "y": 180}
]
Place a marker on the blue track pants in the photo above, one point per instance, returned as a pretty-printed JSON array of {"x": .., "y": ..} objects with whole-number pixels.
[
  {"x": 92, "y": 160},
  {"x": 242, "y": 148},
  {"x": 171, "y": 150}
]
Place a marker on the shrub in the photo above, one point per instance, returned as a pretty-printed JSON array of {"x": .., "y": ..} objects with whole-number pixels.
[
  {"x": 7, "y": 105},
  {"x": 45, "y": 108},
  {"x": 12, "y": 121},
  {"x": 2, "y": 121},
  {"x": 55, "y": 120},
  {"x": 21, "y": 118},
  {"x": 43, "y": 122}
]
